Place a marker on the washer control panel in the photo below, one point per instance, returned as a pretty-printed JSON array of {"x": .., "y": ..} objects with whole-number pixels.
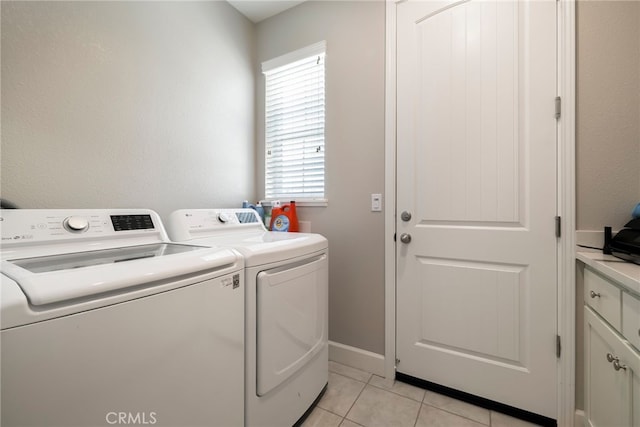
[
  {"x": 35, "y": 225},
  {"x": 76, "y": 224}
]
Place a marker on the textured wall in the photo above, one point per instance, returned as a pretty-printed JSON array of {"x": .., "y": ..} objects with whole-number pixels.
[
  {"x": 127, "y": 104},
  {"x": 607, "y": 128},
  {"x": 608, "y": 112},
  {"x": 354, "y": 32}
]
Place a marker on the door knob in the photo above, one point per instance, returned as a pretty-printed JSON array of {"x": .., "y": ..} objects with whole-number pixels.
[
  {"x": 405, "y": 238},
  {"x": 405, "y": 216},
  {"x": 593, "y": 294}
]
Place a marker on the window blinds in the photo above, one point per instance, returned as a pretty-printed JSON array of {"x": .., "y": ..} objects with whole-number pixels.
[{"x": 294, "y": 125}]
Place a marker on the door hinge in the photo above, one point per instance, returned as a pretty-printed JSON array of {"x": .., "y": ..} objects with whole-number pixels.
[
  {"x": 558, "y": 226},
  {"x": 558, "y": 346},
  {"x": 397, "y": 361},
  {"x": 558, "y": 107}
]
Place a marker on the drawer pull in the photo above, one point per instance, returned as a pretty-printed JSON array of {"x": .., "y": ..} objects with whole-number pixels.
[
  {"x": 594, "y": 294},
  {"x": 616, "y": 362},
  {"x": 617, "y": 366}
]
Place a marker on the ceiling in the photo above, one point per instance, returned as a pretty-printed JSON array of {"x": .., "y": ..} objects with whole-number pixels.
[{"x": 257, "y": 10}]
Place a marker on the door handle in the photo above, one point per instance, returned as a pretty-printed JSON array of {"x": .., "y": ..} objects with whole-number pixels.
[
  {"x": 593, "y": 294},
  {"x": 405, "y": 238}
]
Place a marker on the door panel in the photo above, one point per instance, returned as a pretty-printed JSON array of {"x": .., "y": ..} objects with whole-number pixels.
[
  {"x": 480, "y": 305},
  {"x": 468, "y": 115},
  {"x": 476, "y": 138}
]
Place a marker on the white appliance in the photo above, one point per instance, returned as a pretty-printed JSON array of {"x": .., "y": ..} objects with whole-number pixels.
[
  {"x": 286, "y": 309},
  {"x": 105, "y": 322}
]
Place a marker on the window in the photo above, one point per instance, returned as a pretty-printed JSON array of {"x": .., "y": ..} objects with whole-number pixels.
[{"x": 294, "y": 125}]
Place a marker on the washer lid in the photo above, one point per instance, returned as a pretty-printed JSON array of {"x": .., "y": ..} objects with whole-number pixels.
[
  {"x": 71, "y": 261},
  {"x": 56, "y": 278}
]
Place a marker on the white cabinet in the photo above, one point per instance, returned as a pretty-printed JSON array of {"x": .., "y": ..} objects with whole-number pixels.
[
  {"x": 612, "y": 376},
  {"x": 612, "y": 363},
  {"x": 631, "y": 320},
  {"x": 603, "y": 296}
]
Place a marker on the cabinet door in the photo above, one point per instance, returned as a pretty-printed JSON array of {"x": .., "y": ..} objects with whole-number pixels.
[
  {"x": 631, "y": 360},
  {"x": 635, "y": 402},
  {"x": 631, "y": 319},
  {"x": 609, "y": 392}
]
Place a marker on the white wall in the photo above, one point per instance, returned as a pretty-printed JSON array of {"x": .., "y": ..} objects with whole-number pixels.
[
  {"x": 127, "y": 104},
  {"x": 354, "y": 32}
]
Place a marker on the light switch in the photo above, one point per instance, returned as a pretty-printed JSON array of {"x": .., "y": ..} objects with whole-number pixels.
[{"x": 376, "y": 203}]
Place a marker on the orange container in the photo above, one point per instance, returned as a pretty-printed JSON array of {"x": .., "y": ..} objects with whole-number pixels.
[{"x": 285, "y": 218}]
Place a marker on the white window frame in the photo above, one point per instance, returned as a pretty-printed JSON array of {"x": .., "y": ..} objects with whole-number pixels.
[{"x": 273, "y": 66}]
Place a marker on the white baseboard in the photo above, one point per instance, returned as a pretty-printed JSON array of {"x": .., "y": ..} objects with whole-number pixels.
[
  {"x": 578, "y": 420},
  {"x": 357, "y": 358}
]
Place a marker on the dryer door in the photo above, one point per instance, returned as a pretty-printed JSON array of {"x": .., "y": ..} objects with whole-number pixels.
[{"x": 291, "y": 319}]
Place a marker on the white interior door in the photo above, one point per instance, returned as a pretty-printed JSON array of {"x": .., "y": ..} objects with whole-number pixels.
[{"x": 476, "y": 152}]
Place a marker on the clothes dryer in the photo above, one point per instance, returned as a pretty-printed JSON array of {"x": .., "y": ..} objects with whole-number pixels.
[
  {"x": 286, "y": 309},
  {"x": 105, "y": 322}
]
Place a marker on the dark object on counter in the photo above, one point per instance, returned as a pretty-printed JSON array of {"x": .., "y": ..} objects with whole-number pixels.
[
  {"x": 626, "y": 244},
  {"x": 5, "y": 204},
  {"x": 607, "y": 241}
]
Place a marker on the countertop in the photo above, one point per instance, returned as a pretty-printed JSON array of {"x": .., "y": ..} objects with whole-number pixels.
[{"x": 625, "y": 273}]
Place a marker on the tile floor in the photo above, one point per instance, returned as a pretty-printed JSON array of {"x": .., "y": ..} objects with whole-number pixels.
[{"x": 356, "y": 398}]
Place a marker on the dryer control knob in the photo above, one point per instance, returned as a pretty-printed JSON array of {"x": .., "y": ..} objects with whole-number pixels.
[
  {"x": 76, "y": 224},
  {"x": 223, "y": 217}
]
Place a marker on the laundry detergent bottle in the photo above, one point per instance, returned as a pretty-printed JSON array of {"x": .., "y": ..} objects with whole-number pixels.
[
  {"x": 258, "y": 208},
  {"x": 285, "y": 218}
]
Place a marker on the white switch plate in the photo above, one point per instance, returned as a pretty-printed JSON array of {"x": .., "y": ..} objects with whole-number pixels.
[{"x": 376, "y": 203}]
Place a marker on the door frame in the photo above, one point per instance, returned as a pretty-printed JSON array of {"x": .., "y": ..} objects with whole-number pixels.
[{"x": 565, "y": 204}]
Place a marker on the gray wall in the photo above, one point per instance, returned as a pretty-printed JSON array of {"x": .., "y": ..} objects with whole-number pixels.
[
  {"x": 355, "y": 34},
  {"x": 127, "y": 104},
  {"x": 608, "y": 113},
  {"x": 151, "y": 104},
  {"x": 607, "y": 128}
]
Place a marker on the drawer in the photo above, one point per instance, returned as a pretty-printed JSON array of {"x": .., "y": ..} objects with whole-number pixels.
[
  {"x": 604, "y": 297},
  {"x": 631, "y": 319}
]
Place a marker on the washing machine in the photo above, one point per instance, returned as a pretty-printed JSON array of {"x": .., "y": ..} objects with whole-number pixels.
[
  {"x": 286, "y": 309},
  {"x": 105, "y": 322}
]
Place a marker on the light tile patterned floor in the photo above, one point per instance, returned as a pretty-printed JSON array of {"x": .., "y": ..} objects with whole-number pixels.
[{"x": 356, "y": 398}]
